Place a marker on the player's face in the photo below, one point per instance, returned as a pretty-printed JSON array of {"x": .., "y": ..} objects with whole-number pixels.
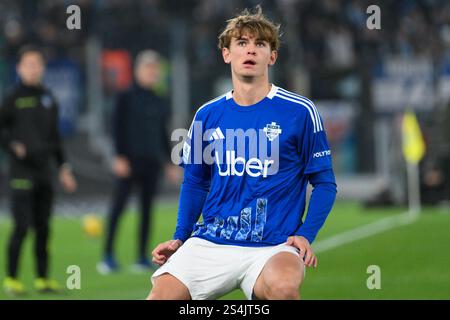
[
  {"x": 31, "y": 68},
  {"x": 249, "y": 56}
]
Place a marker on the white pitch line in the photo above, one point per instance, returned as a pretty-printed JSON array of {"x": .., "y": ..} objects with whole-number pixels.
[{"x": 364, "y": 231}]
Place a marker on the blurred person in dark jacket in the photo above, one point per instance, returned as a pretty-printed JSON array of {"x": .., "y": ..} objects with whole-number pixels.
[
  {"x": 29, "y": 133},
  {"x": 142, "y": 150},
  {"x": 436, "y": 167}
]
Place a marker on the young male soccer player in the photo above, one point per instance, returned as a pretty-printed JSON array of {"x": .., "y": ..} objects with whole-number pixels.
[
  {"x": 29, "y": 132},
  {"x": 252, "y": 235}
]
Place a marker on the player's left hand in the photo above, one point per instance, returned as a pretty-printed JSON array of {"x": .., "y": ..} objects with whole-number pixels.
[{"x": 306, "y": 252}]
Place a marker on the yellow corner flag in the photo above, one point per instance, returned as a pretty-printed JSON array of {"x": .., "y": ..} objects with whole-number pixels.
[{"x": 413, "y": 143}]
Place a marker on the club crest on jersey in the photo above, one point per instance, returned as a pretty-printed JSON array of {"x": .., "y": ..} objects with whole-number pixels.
[{"x": 272, "y": 131}]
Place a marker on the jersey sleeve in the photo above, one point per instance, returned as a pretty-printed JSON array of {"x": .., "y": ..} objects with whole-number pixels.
[
  {"x": 321, "y": 202},
  {"x": 313, "y": 145},
  {"x": 196, "y": 183},
  {"x": 196, "y": 170}
]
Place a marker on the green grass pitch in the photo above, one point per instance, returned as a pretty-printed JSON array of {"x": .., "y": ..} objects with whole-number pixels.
[{"x": 414, "y": 259}]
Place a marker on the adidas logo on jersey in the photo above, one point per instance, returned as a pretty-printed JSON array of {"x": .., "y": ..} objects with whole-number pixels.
[{"x": 217, "y": 135}]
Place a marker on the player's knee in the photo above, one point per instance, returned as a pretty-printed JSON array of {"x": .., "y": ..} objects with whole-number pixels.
[
  {"x": 167, "y": 295},
  {"x": 283, "y": 289},
  {"x": 154, "y": 296},
  {"x": 167, "y": 287},
  {"x": 158, "y": 293}
]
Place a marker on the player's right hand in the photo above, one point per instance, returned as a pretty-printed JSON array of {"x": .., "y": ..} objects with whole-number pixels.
[
  {"x": 164, "y": 250},
  {"x": 121, "y": 167}
]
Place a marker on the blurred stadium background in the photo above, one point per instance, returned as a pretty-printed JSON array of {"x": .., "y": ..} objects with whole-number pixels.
[{"x": 361, "y": 81}]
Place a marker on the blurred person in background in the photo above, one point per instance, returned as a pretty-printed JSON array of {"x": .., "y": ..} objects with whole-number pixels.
[
  {"x": 142, "y": 150},
  {"x": 29, "y": 133},
  {"x": 436, "y": 168}
]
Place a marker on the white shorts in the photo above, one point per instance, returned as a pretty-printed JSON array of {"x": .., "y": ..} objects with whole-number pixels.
[{"x": 210, "y": 270}]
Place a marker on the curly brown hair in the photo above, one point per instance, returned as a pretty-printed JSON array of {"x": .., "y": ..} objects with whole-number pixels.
[{"x": 255, "y": 23}]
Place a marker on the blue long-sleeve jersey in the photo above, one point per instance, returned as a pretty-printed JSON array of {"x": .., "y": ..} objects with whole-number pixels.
[{"x": 247, "y": 170}]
